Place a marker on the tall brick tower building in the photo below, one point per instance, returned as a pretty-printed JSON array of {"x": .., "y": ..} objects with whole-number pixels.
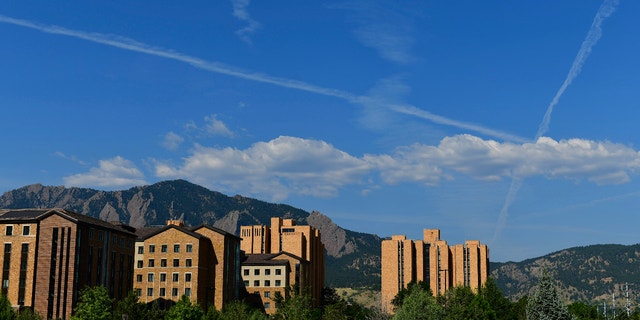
[
  {"x": 433, "y": 261},
  {"x": 300, "y": 241}
]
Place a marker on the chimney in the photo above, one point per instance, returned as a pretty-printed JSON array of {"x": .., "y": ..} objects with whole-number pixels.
[{"x": 178, "y": 223}]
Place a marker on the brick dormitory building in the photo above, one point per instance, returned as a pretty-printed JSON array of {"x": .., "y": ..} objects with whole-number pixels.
[
  {"x": 433, "y": 261},
  {"x": 49, "y": 255}
]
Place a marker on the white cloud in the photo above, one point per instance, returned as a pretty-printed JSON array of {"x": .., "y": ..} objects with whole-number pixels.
[
  {"x": 116, "y": 172},
  {"x": 276, "y": 168},
  {"x": 69, "y": 157},
  {"x": 241, "y": 13},
  {"x": 172, "y": 141},
  {"x": 216, "y": 127},
  {"x": 288, "y": 165}
]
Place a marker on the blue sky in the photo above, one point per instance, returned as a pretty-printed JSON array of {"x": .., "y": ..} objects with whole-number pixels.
[{"x": 389, "y": 117}]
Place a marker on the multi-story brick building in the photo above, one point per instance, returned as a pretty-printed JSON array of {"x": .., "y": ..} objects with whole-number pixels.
[
  {"x": 433, "y": 261},
  {"x": 299, "y": 241},
  {"x": 202, "y": 263},
  {"x": 49, "y": 255},
  {"x": 264, "y": 275}
]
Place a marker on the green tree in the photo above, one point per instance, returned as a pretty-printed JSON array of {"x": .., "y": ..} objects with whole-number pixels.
[
  {"x": 419, "y": 304},
  {"x": 184, "y": 310},
  {"x": 238, "y": 310},
  {"x": 455, "y": 302},
  {"x": 155, "y": 312},
  {"x": 399, "y": 298},
  {"x": 28, "y": 314},
  {"x": 6, "y": 312},
  {"x": 496, "y": 299},
  {"x": 94, "y": 304},
  {"x": 295, "y": 305},
  {"x": 519, "y": 309},
  {"x": 131, "y": 307},
  {"x": 545, "y": 304}
]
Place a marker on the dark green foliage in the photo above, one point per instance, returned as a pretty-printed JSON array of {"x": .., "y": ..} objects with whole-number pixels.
[
  {"x": 496, "y": 300},
  {"x": 519, "y": 309},
  {"x": 238, "y": 310},
  {"x": 545, "y": 304},
  {"x": 583, "y": 311},
  {"x": 94, "y": 304},
  {"x": 335, "y": 307},
  {"x": 6, "y": 312},
  {"x": 419, "y": 304},
  {"x": 295, "y": 305},
  {"x": 398, "y": 300},
  {"x": 28, "y": 314},
  {"x": 155, "y": 312},
  {"x": 131, "y": 307},
  {"x": 184, "y": 310}
]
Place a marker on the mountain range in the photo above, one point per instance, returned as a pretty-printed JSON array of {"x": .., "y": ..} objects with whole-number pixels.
[{"x": 587, "y": 273}]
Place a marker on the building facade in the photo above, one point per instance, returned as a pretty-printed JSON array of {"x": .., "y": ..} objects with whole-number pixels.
[
  {"x": 300, "y": 241},
  {"x": 433, "y": 261},
  {"x": 49, "y": 255},
  {"x": 266, "y": 275},
  {"x": 202, "y": 263}
]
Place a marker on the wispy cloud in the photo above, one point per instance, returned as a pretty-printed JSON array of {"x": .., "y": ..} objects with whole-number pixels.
[
  {"x": 217, "y": 127},
  {"x": 385, "y": 28},
  {"x": 216, "y": 67},
  {"x": 115, "y": 172},
  {"x": 241, "y": 13},
  {"x": 593, "y": 35},
  {"x": 70, "y": 158},
  {"x": 172, "y": 141},
  {"x": 288, "y": 165}
]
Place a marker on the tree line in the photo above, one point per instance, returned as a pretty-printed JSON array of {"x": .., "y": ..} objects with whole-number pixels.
[{"x": 415, "y": 302}]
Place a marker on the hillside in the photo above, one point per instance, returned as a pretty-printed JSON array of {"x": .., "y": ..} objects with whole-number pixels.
[
  {"x": 353, "y": 258},
  {"x": 591, "y": 273}
]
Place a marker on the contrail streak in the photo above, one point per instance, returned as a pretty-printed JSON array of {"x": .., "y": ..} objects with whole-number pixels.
[
  {"x": 594, "y": 34},
  {"x": 220, "y": 68}
]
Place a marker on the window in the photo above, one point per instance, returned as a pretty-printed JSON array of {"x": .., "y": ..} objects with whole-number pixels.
[
  {"x": 278, "y": 272},
  {"x": 246, "y": 283},
  {"x": 138, "y": 278},
  {"x": 278, "y": 283},
  {"x": 163, "y": 277},
  {"x": 176, "y": 248},
  {"x": 9, "y": 231},
  {"x": 140, "y": 250},
  {"x": 267, "y": 305},
  {"x": 176, "y": 262},
  {"x": 149, "y": 292},
  {"x": 163, "y": 263},
  {"x": 187, "y": 292},
  {"x": 139, "y": 263},
  {"x": 246, "y": 272},
  {"x": 138, "y": 292},
  {"x": 162, "y": 292},
  {"x": 267, "y": 283},
  {"x": 150, "y": 277},
  {"x": 100, "y": 235},
  {"x": 152, "y": 263},
  {"x": 91, "y": 233},
  {"x": 256, "y": 283},
  {"x": 256, "y": 272},
  {"x": 187, "y": 277},
  {"x": 267, "y": 294},
  {"x": 189, "y": 248},
  {"x": 152, "y": 248},
  {"x": 163, "y": 248},
  {"x": 188, "y": 263},
  {"x": 267, "y": 272},
  {"x": 175, "y": 277},
  {"x": 26, "y": 230},
  {"x": 174, "y": 292}
]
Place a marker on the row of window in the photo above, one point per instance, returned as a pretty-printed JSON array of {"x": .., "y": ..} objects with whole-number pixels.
[
  {"x": 162, "y": 292},
  {"x": 267, "y": 272},
  {"x": 267, "y": 283},
  {"x": 114, "y": 239},
  {"x": 26, "y": 230},
  {"x": 175, "y": 277},
  {"x": 151, "y": 263},
  {"x": 164, "y": 247}
]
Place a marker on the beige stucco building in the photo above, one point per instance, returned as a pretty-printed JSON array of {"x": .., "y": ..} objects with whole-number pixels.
[{"x": 433, "y": 261}]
